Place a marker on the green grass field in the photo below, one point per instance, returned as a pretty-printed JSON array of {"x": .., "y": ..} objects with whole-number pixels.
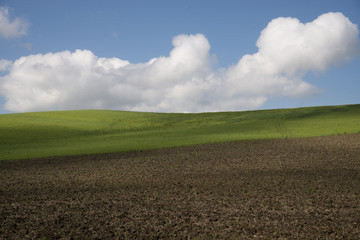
[{"x": 31, "y": 135}]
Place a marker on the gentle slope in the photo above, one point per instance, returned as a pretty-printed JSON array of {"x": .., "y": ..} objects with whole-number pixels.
[{"x": 30, "y": 135}]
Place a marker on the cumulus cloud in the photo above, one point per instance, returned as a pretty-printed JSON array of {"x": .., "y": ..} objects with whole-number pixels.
[
  {"x": 186, "y": 80},
  {"x": 288, "y": 49},
  {"x": 11, "y": 29}
]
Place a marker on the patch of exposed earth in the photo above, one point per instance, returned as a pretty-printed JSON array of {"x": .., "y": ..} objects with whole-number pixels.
[{"x": 284, "y": 189}]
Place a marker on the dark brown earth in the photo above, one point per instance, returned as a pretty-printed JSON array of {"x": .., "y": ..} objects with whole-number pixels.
[{"x": 275, "y": 189}]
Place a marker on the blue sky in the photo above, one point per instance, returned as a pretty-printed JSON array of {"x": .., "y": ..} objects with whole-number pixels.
[{"x": 137, "y": 31}]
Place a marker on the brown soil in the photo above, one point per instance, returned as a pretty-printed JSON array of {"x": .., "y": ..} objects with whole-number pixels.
[{"x": 276, "y": 189}]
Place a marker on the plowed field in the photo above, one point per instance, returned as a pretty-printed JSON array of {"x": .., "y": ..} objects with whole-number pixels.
[{"x": 284, "y": 189}]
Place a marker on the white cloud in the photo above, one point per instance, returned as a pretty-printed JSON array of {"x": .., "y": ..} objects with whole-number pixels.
[
  {"x": 288, "y": 49},
  {"x": 186, "y": 80},
  {"x": 11, "y": 29}
]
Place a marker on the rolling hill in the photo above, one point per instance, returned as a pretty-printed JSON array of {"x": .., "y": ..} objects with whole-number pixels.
[{"x": 42, "y": 134}]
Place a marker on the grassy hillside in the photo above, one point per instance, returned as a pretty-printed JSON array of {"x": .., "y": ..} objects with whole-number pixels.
[{"x": 29, "y": 135}]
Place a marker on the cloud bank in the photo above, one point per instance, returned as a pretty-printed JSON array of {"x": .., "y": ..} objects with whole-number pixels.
[
  {"x": 186, "y": 80},
  {"x": 11, "y": 29}
]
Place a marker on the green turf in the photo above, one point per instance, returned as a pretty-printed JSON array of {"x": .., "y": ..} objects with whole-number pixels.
[{"x": 29, "y": 135}]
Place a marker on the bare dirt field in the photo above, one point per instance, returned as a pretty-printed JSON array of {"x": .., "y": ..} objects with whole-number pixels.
[{"x": 274, "y": 189}]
